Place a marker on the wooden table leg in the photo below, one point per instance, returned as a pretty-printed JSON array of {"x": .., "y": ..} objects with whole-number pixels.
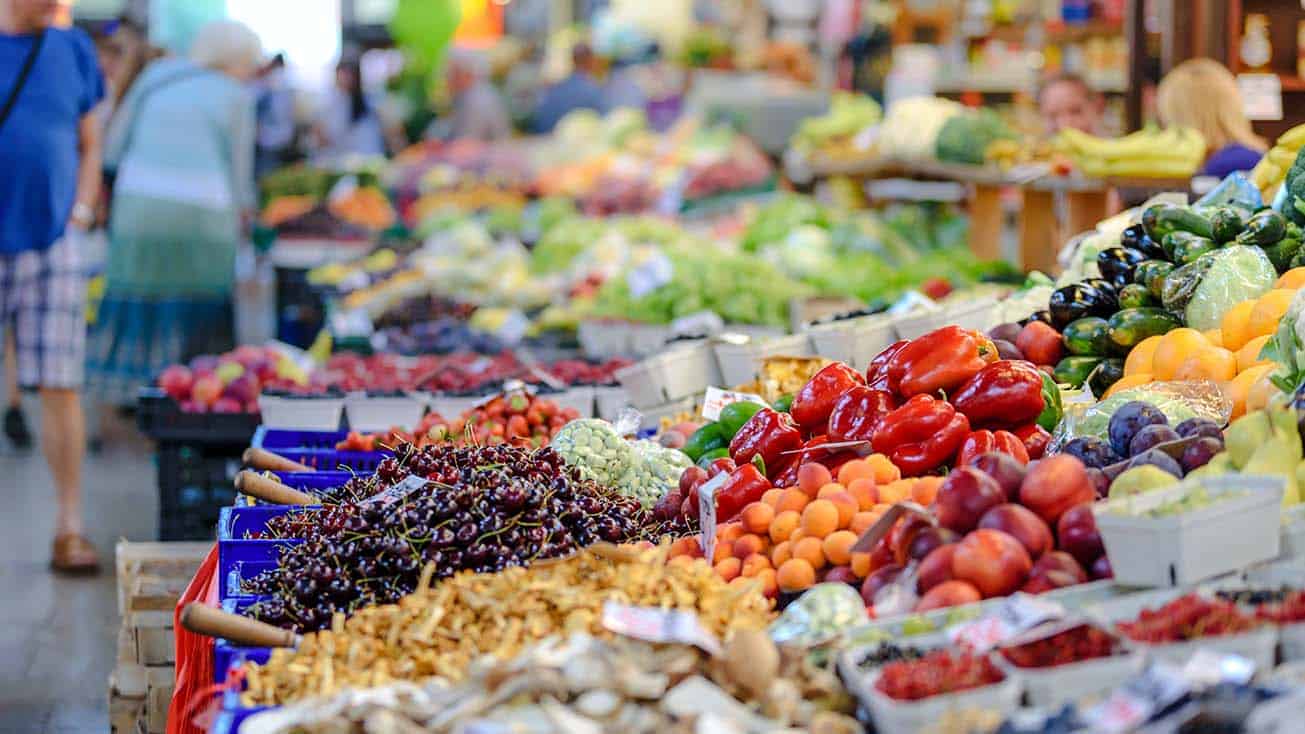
[
  {"x": 1039, "y": 235},
  {"x": 1085, "y": 210},
  {"x": 986, "y": 222}
]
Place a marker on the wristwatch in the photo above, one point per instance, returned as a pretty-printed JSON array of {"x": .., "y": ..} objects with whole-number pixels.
[{"x": 82, "y": 215}]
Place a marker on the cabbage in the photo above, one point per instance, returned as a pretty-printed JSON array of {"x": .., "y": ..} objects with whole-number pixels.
[{"x": 1223, "y": 279}]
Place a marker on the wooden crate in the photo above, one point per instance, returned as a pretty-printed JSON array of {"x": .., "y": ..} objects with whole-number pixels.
[{"x": 162, "y": 560}]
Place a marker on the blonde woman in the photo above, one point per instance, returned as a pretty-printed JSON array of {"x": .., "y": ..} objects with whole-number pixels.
[
  {"x": 1202, "y": 94},
  {"x": 182, "y": 145}
]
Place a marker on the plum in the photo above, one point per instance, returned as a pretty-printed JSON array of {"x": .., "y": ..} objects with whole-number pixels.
[
  {"x": 1199, "y": 427},
  {"x": 1004, "y": 469},
  {"x": 1199, "y": 453},
  {"x": 1159, "y": 459},
  {"x": 1006, "y": 350},
  {"x": 1128, "y": 419},
  {"x": 1005, "y": 332},
  {"x": 1092, "y": 451},
  {"x": 1100, "y": 481},
  {"x": 1149, "y": 437}
]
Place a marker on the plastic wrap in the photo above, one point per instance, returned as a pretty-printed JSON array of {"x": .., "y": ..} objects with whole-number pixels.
[
  {"x": 1235, "y": 190},
  {"x": 1204, "y": 290},
  {"x": 595, "y": 449},
  {"x": 822, "y": 613},
  {"x": 1179, "y": 401},
  {"x": 654, "y": 471}
]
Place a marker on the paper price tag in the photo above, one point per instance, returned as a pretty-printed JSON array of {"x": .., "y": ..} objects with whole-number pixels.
[
  {"x": 1261, "y": 96},
  {"x": 398, "y": 491},
  {"x": 1209, "y": 668},
  {"x": 1138, "y": 699},
  {"x": 707, "y": 513},
  {"x": 1015, "y": 615},
  {"x": 716, "y": 399},
  {"x": 658, "y": 625},
  {"x": 649, "y": 275}
]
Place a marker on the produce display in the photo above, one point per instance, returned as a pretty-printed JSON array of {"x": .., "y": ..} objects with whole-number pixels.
[
  {"x": 1188, "y": 617},
  {"x": 937, "y": 673},
  {"x": 519, "y": 419},
  {"x": 1085, "y": 642},
  {"x": 1150, "y": 153}
]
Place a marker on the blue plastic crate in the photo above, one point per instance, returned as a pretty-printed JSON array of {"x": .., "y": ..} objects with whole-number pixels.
[
  {"x": 233, "y": 714},
  {"x": 227, "y": 655},
  {"x": 315, "y": 449},
  {"x": 322, "y": 460},
  {"x": 241, "y": 560},
  {"x": 312, "y": 482},
  {"x": 275, "y": 439}
]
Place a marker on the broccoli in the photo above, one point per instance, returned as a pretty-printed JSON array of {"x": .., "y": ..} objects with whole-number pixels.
[{"x": 1295, "y": 185}]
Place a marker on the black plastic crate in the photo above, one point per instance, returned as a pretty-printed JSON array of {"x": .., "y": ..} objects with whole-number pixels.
[
  {"x": 160, "y": 418},
  {"x": 195, "y": 481}
]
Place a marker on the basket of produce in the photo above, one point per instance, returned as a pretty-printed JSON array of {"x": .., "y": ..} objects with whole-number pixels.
[
  {"x": 162, "y": 418},
  {"x": 689, "y": 368},
  {"x": 906, "y": 696},
  {"x": 740, "y": 359},
  {"x": 302, "y": 412},
  {"x": 1279, "y": 604},
  {"x": 1171, "y": 625},
  {"x": 368, "y": 412},
  {"x": 1074, "y": 664},
  {"x": 978, "y": 315},
  {"x": 579, "y": 398},
  {"x": 1192, "y": 531},
  {"x": 1293, "y": 531}
]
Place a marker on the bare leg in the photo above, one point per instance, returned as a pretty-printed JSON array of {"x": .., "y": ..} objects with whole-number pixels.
[{"x": 63, "y": 439}]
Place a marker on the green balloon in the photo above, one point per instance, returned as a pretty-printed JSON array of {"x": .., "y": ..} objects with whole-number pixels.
[{"x": 423, "y": 29}]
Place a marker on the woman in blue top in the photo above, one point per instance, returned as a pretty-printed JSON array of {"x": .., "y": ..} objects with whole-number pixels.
[
  {"x": 1202, "y": 94},
  {"x": 182, "y": 146}
]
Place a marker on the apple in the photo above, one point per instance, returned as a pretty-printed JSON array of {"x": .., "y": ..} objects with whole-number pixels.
[
  {"x": 243, "y": 389},
  {"x": 206, "y": 390},
  {"x": 1020, "y": 523},
  {"x": 194, "y": 406},
  {"x": 1055, "y": 484},
  {"x": 928, "y": 540},
  {"x": 1060, "y": 561},
  {"x": 205, "y": 363},
  {"x": 995, "y": 562},
  {"x": 841, "y": 575},
  {"x": 1048, "y": 581},
  {"x": 878, "y": 580},
  {"x": 247, "y": 354},
  {"x": 1077, "y": 531},
  {"x": 176, "y": 381},
  {"x": 964, "y": 496},
  {"x": 227, "y": 405},
  {"x": 228, "y": 371},
  {"x": 1101, "y": 568},
  {"x": 935, "y": 568},
  {"x": 1004, "y": 469},
  {"x": 948, "y": 594}
]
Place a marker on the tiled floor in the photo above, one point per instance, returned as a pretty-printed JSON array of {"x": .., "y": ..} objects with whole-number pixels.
[{"x": 57, "y": 635}]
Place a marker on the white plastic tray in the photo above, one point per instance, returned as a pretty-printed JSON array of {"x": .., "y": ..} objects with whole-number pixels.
[
  {"x": 1053, "y": 687},
  {"x": 602, "y": 339},
  {"x": 646, "y": 339},
  {"x": 1183, "y": 549},
  {"x": 580, "y": 397},
  {"x": 854, "y": 341},
  {"x": 301, "y": 414},
  {"x": 740, "y": 363},
  {"x": 688, "y": 369},
  {"x": 908, "y": 717},
  {"x": 1293, "y": 531},
  {"x": 372, "y": 414},
  {"x": 644, "y": 383},
  {"x": 609, "y": 401},
  {"x": 652, "y": 416}
]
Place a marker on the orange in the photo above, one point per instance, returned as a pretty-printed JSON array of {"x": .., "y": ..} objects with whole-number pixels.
[
  {"x": 729, "y": 568},
  {"x": 838, "y": 547},
  {"x": 1214, "y": 336},
  {"x": 754, "y": 564},
  {"x": 925, "y": 490},
  {"x": 854, "y": 470},
  {"x": 1262, "y": 391},
  {"x": 1174, "y": 349},
  {"x": 1293, "y": 279},
  {"x": 885, "y": 470},
  {"x": 1139, "y": 359},
  {"x": 863, "y": 490},
  {"x": 1268, "y": 312},
  {"x": 1239, "y": 389},
  {"x": 812, "y": 476},
  {"x": 861, "y": 564},
  {"x": 1211, "y": 363},
  {"x": 847, "y": 507},
  {"x": 756, "y": 517},
  {"x": 747, "y": 545},
  {"x": 780, "y": 553},
  {"x": 729, "y": 531},
  {"x": 812, "y": 551},
  {"x": 1235, "y": 325},
  {"x": 1128, "y": 381},
  {"x": 782, "y": 527},
  {"x": 895, "y": 492},
  {"x": 829, "y": 489},
  {"x": 771, "y": 496},
  {"x": 795, "y": 575},
  {"x": 862, "y": 521},
  {"x": 820, "y": 518},
  {"x": 793, "y": 499},
  {"x": 1249, "y": 355}
]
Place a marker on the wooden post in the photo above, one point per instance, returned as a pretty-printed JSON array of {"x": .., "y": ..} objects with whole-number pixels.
[
  {"x": 1039, "y": 235},
  {"x": 986, "y": 222},
  {"x": 1085, "y": 209}
]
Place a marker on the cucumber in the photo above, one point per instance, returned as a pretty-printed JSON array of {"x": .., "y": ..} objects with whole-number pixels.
[
  {"x": 1225, "y": 224},
  {"x": 1087, "y": 336},
  {"x": 1074, "y": 371},
  {"x": 1129, "y": 327},
  {"x": 1191, "y": 248},
  {"x": 1163, "y": 219},
  {"x": 1176, "y": 241},
  {"x": 1264, "y": 228},
  {"x": 1151, "y": 273},
  {"x": 1136, "y": 296},
  {"x": 1104, "y": 375}
]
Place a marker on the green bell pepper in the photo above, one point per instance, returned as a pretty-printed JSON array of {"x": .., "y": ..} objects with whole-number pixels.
[{"x": 1052, "y": 409}]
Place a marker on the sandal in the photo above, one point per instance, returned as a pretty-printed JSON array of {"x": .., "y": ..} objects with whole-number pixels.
[{"x": 74, "y": 554}]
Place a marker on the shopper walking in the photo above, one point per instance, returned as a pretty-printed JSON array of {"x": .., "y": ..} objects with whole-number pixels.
[
  {"x": 578, "y": 91},
  {"x": 1202, "y": 94},
  {"x": 182, "y": 147},
  {"x": 50, "y": 156}
]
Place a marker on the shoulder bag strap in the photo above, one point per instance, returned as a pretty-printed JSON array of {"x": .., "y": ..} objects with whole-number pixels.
[{"x": 21, "y": 82}]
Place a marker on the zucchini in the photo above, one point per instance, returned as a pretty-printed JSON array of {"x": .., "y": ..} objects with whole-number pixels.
[
  {"x": 1151, "y": 274},
  {"x": 1104, "y": 375},
  {"x": 1074, "y": 371},
  {"x": 1190, "y": 248},
  {"x": 1163, "y": 219},
  {"x": 1129, "y": 327},
  {"x": 1264, "y": 228},
  {"x": 1087, "y": 336},
  {"x": 1134, "y": 295},
  {"x": 1225, "y": 224},
  {"x": 1282, "y": 252},
  {"x": 1174, "y": 241}
]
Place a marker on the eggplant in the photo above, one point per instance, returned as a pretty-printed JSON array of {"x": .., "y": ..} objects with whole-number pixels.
[
  {"x": 1044, "y": 316},
  {"x": 1117, "y": 263},
  {"x": 1136, "y": 238},
  {"x": 1109, "y": 296},
  {"x": 1074, "y": 302}
]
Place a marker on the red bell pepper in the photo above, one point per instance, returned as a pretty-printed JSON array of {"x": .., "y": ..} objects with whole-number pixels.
[
  {"x": 811, "y": 404},
  {"x": 922, "y": 435},
  {"x": 1035, "y": 439},
  {"x": 983, "y": 442},
  {"x": 876, "y": 375},
  {"x": 745, "y": 485},
  {"x": 940, "y": 360},
  {"x": 766, "y": 434},
  {"x": 813, "y": 450},
  {"x": 1005, "y": 393},
  {"x": 857, "y": 413}
]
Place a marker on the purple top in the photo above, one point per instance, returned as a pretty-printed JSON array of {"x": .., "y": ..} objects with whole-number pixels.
[{"x": 1230, "y": 158}]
